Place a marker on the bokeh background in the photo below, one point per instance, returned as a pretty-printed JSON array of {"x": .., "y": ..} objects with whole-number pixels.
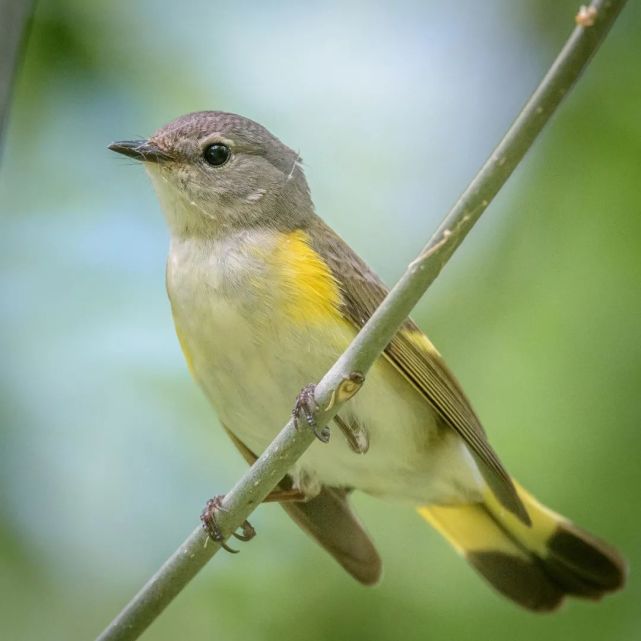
[{"x": 108, "y": 450}]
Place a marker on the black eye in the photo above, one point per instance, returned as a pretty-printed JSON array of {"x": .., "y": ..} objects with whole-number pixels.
[{"x": 216, "y": 154}]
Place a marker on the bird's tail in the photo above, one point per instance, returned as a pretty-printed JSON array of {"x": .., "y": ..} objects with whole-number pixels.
[{"x": 536, "y": 565}]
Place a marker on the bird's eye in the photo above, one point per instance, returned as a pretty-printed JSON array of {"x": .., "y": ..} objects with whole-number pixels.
[{"x": 216, "y": 154}]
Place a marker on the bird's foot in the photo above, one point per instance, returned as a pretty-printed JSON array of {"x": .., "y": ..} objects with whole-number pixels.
[
  {"x": 304, "y": 409},
  {"x": 208, "y": 518}
]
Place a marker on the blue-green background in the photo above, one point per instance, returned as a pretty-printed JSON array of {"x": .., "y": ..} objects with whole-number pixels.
[{"x": 108, "y": 450}]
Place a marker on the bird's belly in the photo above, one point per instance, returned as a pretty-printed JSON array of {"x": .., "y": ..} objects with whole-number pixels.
[
  {"x": 252, "y": 373},
  {"x": 252, "y": 360}
]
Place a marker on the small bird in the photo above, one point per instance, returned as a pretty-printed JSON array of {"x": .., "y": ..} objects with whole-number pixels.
[{"x": 265, "y": 296}]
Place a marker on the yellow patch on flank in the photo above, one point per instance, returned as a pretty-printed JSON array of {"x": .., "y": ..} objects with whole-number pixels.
[
  {"x": 310, "y": 291},
  {"x": 186, "y": 353}
]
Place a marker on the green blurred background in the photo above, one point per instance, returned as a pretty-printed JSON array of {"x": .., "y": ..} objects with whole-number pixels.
[{"x": 109, "y": 451}]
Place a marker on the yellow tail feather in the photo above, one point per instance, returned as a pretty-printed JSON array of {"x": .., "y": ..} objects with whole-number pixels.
[{"x": 536, "y": 566}]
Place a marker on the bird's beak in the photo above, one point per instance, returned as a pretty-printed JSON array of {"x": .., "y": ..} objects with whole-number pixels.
[{"x": 140, "y": 150}]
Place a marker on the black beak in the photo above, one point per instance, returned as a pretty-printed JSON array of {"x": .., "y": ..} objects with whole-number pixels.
[{"x": 140, "y": 150}]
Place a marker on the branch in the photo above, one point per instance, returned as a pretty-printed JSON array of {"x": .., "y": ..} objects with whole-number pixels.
[
  {"x": 14, "y": 19},
  {"x": 345, "y": 377}
]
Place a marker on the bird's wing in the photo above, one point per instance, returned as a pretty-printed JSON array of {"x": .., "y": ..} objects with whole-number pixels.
[
  {"x": 329, "y": 519},
  {"x": 416, "y": 359}
]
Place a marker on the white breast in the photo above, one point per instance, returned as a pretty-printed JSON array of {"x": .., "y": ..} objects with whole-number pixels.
[{"x": 251, "y": 362}]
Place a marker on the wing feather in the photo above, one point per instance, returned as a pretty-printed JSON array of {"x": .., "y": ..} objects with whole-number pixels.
[
  {"x": 413, "y": 356},
  {"x": 329, "y": 519}
]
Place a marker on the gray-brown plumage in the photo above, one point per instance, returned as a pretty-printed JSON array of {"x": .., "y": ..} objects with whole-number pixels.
[{"x": 265, "y": 297}]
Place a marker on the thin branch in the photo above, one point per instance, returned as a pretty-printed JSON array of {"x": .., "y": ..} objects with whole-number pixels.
[
  {"x": 14, "y": 21},
  {"x": 344, "y": 378}
]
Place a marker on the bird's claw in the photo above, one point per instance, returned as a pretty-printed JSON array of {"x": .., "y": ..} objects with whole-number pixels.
[
  {"x": 305, "y": 407},
  {"x": 208, "y": 518}
]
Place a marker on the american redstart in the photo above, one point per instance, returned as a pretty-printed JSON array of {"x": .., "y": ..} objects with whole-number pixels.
[{"x": 265, "y": 297}]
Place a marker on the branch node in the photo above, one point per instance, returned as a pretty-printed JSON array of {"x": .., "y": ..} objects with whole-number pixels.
[
  {"x": 586, "y": 17},
  {"x": 348, "y": 386},
  {"x": 418, "y": 263}
]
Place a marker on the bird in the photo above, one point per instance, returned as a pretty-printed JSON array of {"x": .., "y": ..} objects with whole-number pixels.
[{"x": 265, "y": 296}]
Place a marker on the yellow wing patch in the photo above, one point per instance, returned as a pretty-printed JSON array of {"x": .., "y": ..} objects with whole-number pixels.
[
  {"x": 489, "y": 526},
  {"x": 310, "y": 291},
  {"x": 545, "y": 522},
  {"x": 469, "y": 528},
  {"x": 419, "y": 340}
]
